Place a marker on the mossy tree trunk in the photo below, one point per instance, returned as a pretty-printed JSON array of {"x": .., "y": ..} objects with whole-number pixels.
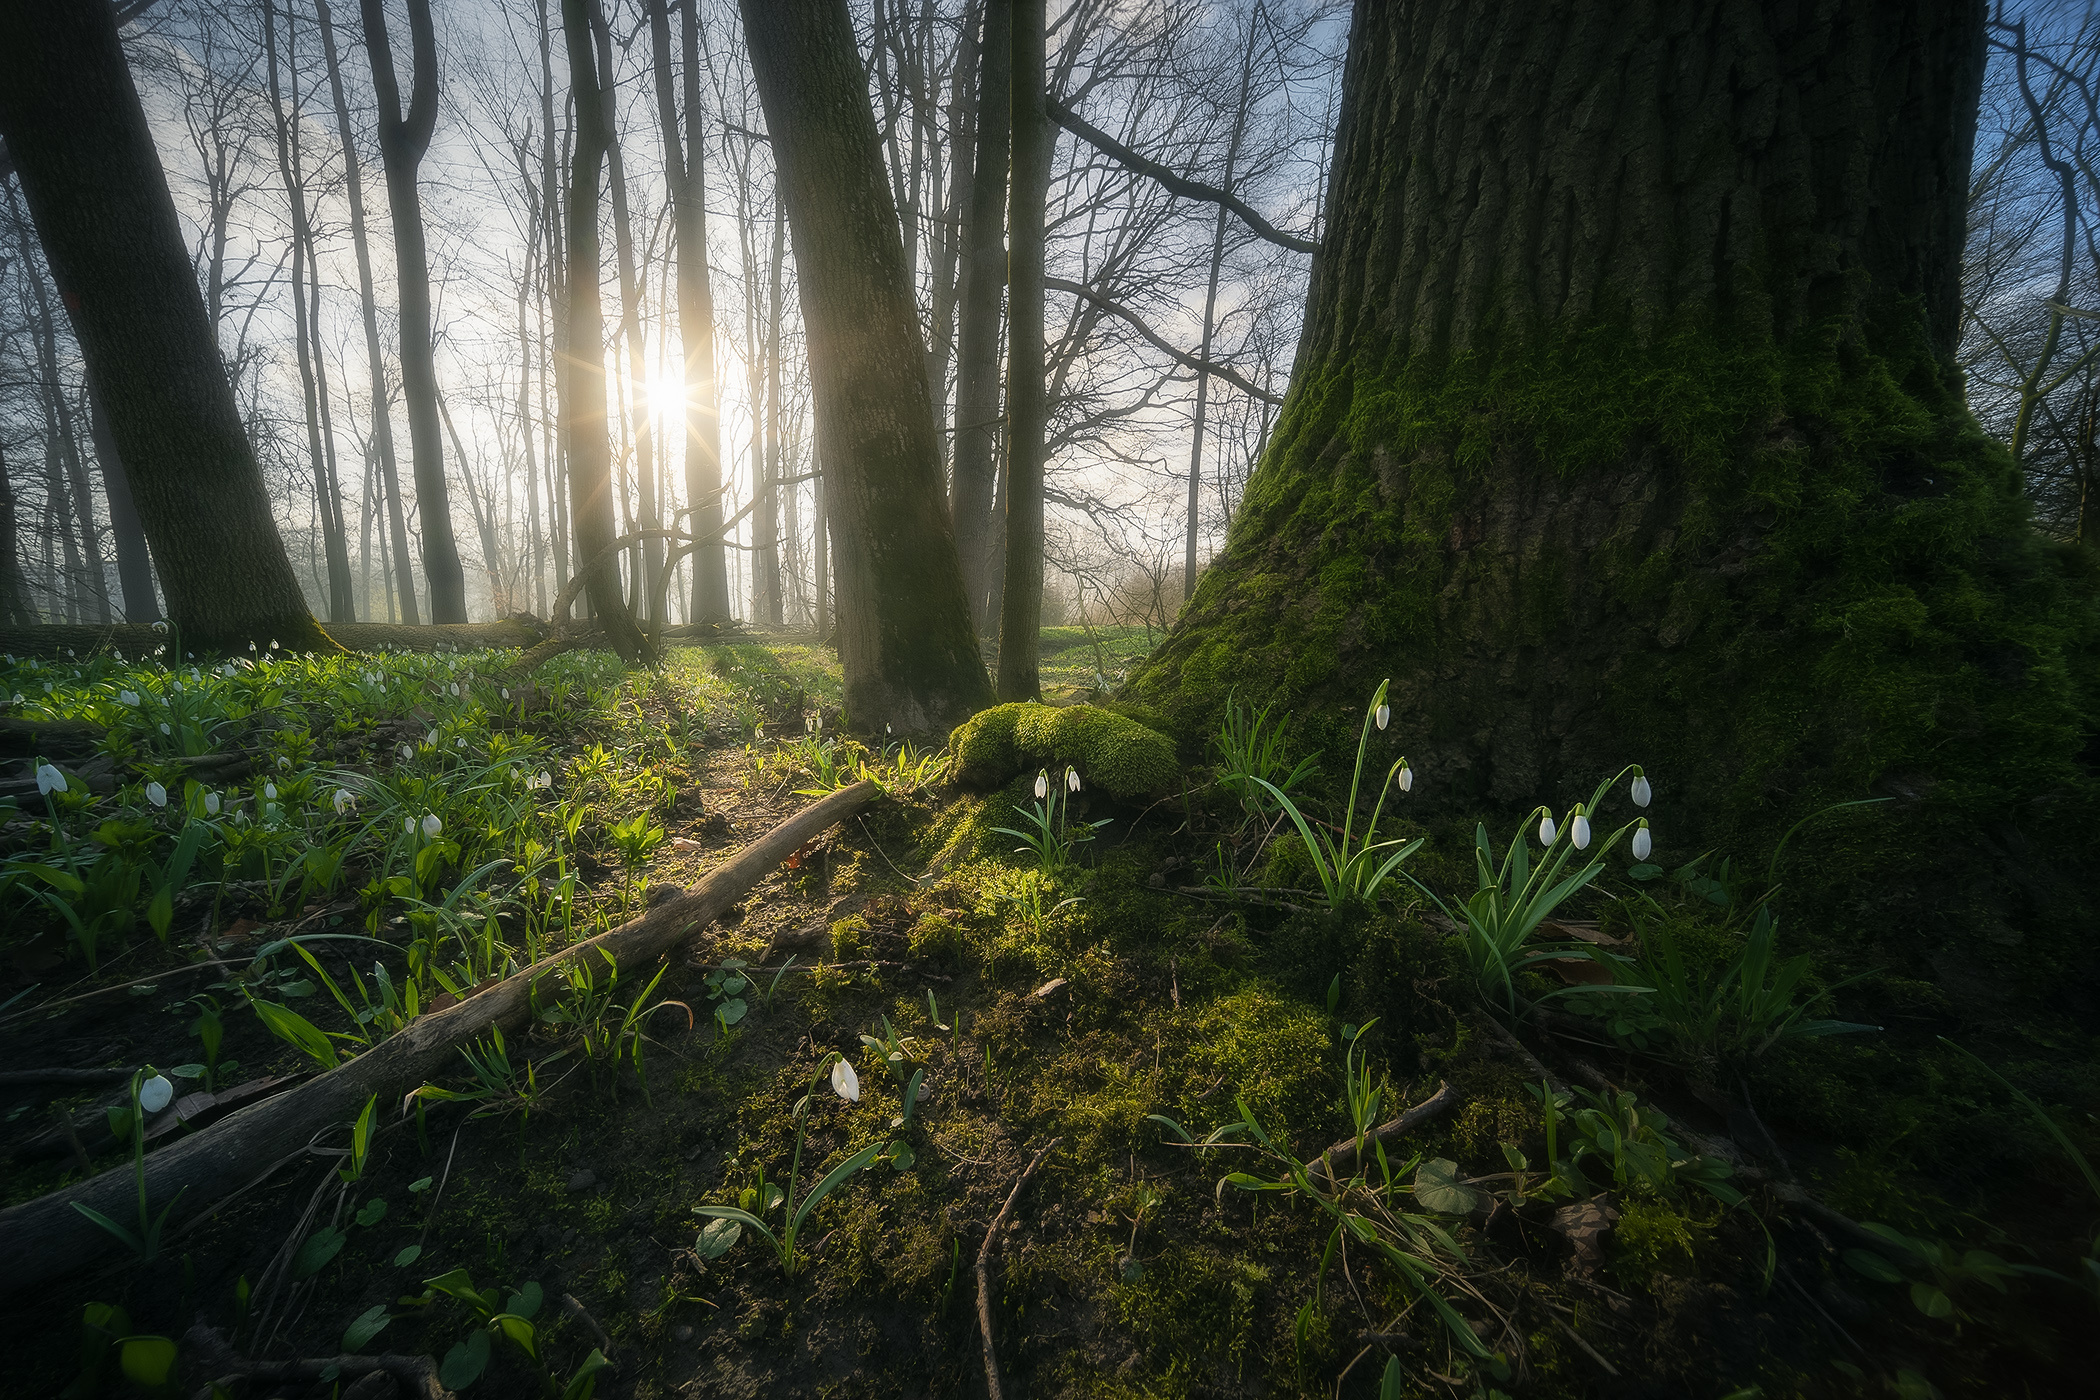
[
  {"x": 1625, "y": 424},
  {"x": 1027, "y": 403},
  {"x": 100, "y": 200},
  {"x": 905, "y": 639}
]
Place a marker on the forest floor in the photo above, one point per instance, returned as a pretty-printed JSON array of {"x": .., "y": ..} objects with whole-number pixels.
[{"x": 1118, "y": 1017}]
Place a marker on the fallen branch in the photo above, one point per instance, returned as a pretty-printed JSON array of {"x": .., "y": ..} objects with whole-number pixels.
[
  {"x": 418, "y": 1375},
  {"x": 984, "y": 1269},
  {"x": 48, "y": 1238},
  {"x": 1340, "y": 1160}
]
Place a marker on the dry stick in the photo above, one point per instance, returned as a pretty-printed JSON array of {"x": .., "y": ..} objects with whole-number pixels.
[
  {"x": 577, "y": 1310},
  {"x": 1339, "y": 1160},
  {"x": 418, "y": 1375},
  {"x": 47, "y": 1238},
  {"x": 984, "y": 1269}
]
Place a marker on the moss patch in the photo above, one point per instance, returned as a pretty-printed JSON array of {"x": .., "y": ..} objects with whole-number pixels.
[{"x": 1113, "y": 752}]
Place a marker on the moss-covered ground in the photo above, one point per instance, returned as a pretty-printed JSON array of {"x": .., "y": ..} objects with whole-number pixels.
[{"x": 1109, "y": 1006}]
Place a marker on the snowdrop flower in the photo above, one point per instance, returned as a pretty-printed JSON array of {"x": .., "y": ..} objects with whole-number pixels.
[
  {"x": 344, "y": 801},
  {"x": 1071, "y": 780},
  {"x": 407, "y": 753},
  {"x": 1547, "y": 830},
  {"x": 1406, "y": 777},
  {"x": 461, "y": 743},
  {"x": 1579, "y": 831},
  {"x": 18, "y": 697},
  {"x": 1642, "y": 793},
  {"x": 844, "y": 1080},
  {"x": 269, "y": 792},
  {"x": 156, "y": 794},
  {"x": 506, "y": 692},
  {"x": 408, "y": 826},
  {"x": 251, "y": 646},
  {"x": 1643, "y": 843},
  {"x": 546, "y": 780},
  {"x": 211, "y": 803},
  {"x": 284, "y": 763},
  {"x": 129, "y": 697},
  {"x": 274, "y": 644},
  {"x": 455, "y": 687},
  {"x": 1042, "y": 785},
  {"x": 49, "y": 779},
  {"x": 1385, "y": 712},
  {"x": 164, "y": 728},
  {"x": 431, "y": 825},
  {"x": 155, "y": 1094},
  {"x": 161, "y": 626}
]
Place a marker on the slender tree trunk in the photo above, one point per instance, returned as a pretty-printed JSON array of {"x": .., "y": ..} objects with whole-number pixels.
[
  {"x": 85, "y": 156},
  {"x": 584, "y": 400},
  {"x": 134, "y": 563},
  {"x": 905, "y": 640},
  {"x": 820, "y": 565},
  {"x": 686, "y": 171},
  {"x": 526, "y": 425},
  {"x": 15, "y": 606},
  {"x": 1210, "y": 313},
  {"x": 402, "y": 142},
  {"x": 382, "y": 396},
  {"x": 305, "y": 325},
  {"x": 976, "y": 475},
  {"x": 951, "y": 230},
  {"x": 1021, "y": 607},
  {"x": 765, "y": 557}
]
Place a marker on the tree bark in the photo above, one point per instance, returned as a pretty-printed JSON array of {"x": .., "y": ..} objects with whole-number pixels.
[
  {"x": 85, "y": 155},
  {"x": 404, "y": 577},
  {"x": 402, "y": 142},
  {"x": 685, "y": 166},
  {"x": 1021, "y": 604},
  {"x": 905, "y": 641},
  {"x": 15, "y": 607},
  {"x": 1625, "y": 425},
  {"x": 583, "y": 407},
  {"x": 976, "y": 475},
  {"x": 134, "y": 562}
]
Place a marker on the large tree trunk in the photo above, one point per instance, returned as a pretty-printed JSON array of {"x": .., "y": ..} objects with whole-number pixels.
[
  {"x": 134, "y": 560},
  {"x": 85, "y": 156},
  {"x": 583, "y": 402},
  {"x": 905, "y": 641},
  {"x": 976, "y": 475},
  {"x": 403, "y": 575},
  {"x": 1021, "y": 605},
  {"x": 685, "y": 166},
  {"x": 1625, "y": 424},
  {"x": 402, "y": 142}
]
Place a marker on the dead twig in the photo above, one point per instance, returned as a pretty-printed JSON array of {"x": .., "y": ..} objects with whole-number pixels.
[
  {"x": 1340, "y": 1160},
  {"x": 418, "y": 1375},
  {"x": 984, "y": 1269},
  {"x": 582, "y": 1315}
]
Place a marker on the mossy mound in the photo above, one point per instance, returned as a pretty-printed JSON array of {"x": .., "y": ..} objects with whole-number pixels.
[{"x": 1112, "y": 752}]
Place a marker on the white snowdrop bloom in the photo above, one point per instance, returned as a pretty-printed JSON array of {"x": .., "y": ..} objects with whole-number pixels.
[
  {"x": 156, "y": 794},
  {"x": 1405, "y": 778},
  {"x": 408, "y": 826},
  {"x": 129, "y": 697},
  {"x": 269, "y": 792},
  {"x": 344, "y": 801},
  {"x": 407, "y": 752},
  {"x": 455, "y": 687},
  {"x": 251, "y": 646},
  {"x": 506, "y": 692},
  {"x": 1642, "y": 843},
  {"x": 156, "y": 1094},
  {"x": 1642, "y": 793},
  {"x": 1579, "y": 831},
  {"x": 1385, "y": 712},
  {"x": 461, "y": 743},
  {"x": 273, "y": 644},
  {"x": 1546, "y": 830},
  {"x": 1042, "y": 785},
  {"x": 164, "y": 728},
  {"x": 211, "y": 803},
  {"x": 431, "y": 825},
  {"x": 845, "y": 1081},
  {"x": 1071, "y": 780},
  {"x": 284, "y": 763},
  {"x": 49, "y": 779},
  {"x": 546, "y": 779},
  {"x": 19, "y": 698}
]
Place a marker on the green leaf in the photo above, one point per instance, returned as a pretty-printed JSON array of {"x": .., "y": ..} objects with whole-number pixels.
[
  {"x": 834, "y": 1178},
  {"x": 526, "y": 1301},
  {"x": 519, "y": 1330},
  {"x": 1867, "y": 1262},
  {"x": 466, "y": 1361},
  {"x": 1644, "y": 872},
  {"x": 717, "y": 1237},
  {"x": 147, "y": 1361},
  {"x": 584, "y": 1384},
  {"x": 408, "y": 1256},
  {"x": 1931, "y": 1301},
  {"x": 373, "y": 1211},
  {"x": 421, "y": 1184},
  {"x": 1394, "y": 1384},
  {"x": 289, "y": 1026},
  {"x": 732, "y": 1011},
  {"x": 1440, "y": 1187},
  {"x": 901, "y": 1156},
  {"x": 320, "y": 1247},
  {"x": 369, "y": 1324}
]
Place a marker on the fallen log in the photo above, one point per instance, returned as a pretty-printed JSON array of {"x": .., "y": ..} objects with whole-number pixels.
[{"x": 47, "y": 1238}]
